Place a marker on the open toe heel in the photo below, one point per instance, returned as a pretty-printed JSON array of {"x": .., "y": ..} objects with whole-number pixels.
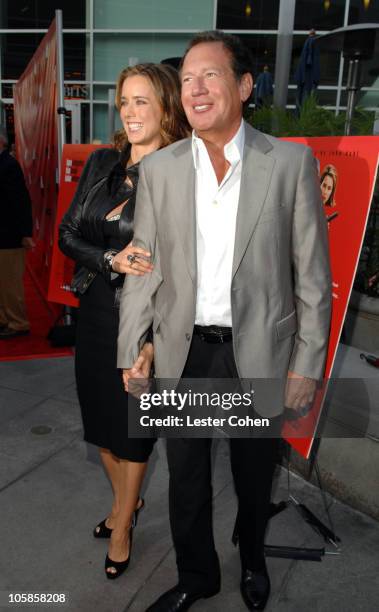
[
  {"x": 102, "y": 531},
  {"x": 118, "y": 566}
]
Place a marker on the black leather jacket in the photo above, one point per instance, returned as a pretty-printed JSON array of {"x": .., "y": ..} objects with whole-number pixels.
[{"x": 101, "y": 188}]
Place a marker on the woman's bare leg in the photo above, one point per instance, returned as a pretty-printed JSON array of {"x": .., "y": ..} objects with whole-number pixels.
[
  {"x": 131, "y": 475},
  {"x": 112, "y": 468}
]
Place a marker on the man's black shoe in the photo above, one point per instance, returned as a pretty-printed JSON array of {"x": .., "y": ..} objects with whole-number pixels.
[
  {"x": 255, "y": 588},
  {"x": 175, "y": 600}
]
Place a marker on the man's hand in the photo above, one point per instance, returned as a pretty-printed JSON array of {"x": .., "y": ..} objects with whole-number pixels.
[
  {"x": 300, "y": 393},
  {"x": 142, "y": 366},
  {"x": 28, "y": 243}
]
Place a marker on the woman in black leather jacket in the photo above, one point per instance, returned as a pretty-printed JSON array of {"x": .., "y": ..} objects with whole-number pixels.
[{"x": 97, "y": 232}]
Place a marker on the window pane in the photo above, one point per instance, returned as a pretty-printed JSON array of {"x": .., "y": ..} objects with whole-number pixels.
[
  {"x": 329, "y": 62},
  {"x": 165, "y": 14},
  {"x": 366, "y": 99},
  {"x": 16, "y": 52},
  {"x": 248, "y": 15},
  {"x": 263, "y": 50},
  {"x": 369, "y": 98},
  {"x": 7, "y": 90},
  {"x": 9, "y": 122},
  {"x": 112, "y": 52},
  {"x": 18, "y": 49},
  {"x": 319, "y": 14},
  {"x": 40, "y": 13},
  {"x": 100, "y": 92},
  {"x": 100, "y": 123},
  {"x": 325, "y": 97},
  {"x": 75, "y": 51},
  {"x": 359, "y": 14}
]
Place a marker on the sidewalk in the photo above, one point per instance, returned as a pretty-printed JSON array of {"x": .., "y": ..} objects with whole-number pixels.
[{"x": 53, "y": 492}]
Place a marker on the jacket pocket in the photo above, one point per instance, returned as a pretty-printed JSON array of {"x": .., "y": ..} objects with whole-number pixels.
[
  {"x": 287, "y": 326},
  {"x": 82, "y": 279}
]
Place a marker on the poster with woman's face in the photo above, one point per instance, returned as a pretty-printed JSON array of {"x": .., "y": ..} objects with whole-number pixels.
[
  {"x": 328, "y": 184},
  {"x": 346, "y": 173}
]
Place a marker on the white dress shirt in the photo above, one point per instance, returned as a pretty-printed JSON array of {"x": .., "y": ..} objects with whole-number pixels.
[{"x": 216, "y": 215}]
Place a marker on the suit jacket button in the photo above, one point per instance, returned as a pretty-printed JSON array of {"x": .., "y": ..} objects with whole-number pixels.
[{"x": 188, "y": 337}]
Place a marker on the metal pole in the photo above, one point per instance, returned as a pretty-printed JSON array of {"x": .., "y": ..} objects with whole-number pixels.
[
  {"x": 60, "y": 89},
  {"x": 284, "y": 51},
  {"x": 67, "y": 310},
  {"x": 111, "y": 113},
  {"x": 342, "y": 60},
  {"x": 352, "y": 87}
]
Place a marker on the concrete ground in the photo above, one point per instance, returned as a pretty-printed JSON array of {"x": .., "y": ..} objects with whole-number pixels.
[{"x": 53, "y": 492}]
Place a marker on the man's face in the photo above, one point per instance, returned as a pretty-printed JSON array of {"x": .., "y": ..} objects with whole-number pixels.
[{"x": 212, "y": 97}]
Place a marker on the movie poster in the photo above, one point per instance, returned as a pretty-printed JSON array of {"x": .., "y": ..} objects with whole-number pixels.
[{"x": 347, "y": 169}]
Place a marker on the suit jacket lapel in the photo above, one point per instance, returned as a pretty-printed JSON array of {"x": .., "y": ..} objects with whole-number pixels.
[
  {"x": 184, "y": 210},
  {"x": 256, "y": 175}
]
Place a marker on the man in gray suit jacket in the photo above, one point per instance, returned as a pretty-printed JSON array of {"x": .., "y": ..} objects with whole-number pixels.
[{"x": 240, "y": 289}]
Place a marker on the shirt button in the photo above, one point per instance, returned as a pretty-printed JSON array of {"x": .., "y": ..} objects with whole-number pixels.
[
  {"x": 215, "y": 202},
  {"x": 188, "y": 337}
]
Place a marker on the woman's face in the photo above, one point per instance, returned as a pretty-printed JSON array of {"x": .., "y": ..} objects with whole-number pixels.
[
  {"x": 326, "y": 188},
  {"x": 140, "y": 112}
]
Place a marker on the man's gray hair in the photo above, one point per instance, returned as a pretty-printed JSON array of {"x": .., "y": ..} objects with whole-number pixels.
[{"x": 3, "y": 135}]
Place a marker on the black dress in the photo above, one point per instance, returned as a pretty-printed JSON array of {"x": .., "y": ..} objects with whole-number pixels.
[{"x": 103, "y": 400}]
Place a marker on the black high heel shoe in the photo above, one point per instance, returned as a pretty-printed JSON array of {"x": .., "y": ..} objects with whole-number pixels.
[
  {"x": 119, "y": 566},
  {"x": 102, "y": 531}
]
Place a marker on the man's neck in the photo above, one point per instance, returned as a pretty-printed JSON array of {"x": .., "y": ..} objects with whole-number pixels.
[
  {"x": 215, "y": 141},
  {"x": 215, "y": 144}
]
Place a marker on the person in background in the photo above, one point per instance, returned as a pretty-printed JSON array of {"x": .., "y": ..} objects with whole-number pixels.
[
  {"x": 307, "y": 75},
  {"x": 16, "y": 230},
  {"x": 97, "y": 233},
  {"x": 264, "y": 88}
]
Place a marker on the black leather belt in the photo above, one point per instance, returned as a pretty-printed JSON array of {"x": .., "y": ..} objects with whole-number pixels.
[{"x": 213, "y": 333}]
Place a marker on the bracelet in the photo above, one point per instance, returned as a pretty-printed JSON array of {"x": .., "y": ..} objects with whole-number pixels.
[{"x": 108, "y": 260}]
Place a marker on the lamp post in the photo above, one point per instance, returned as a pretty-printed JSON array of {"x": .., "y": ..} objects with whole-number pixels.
[{"x": 357, "y": 43}]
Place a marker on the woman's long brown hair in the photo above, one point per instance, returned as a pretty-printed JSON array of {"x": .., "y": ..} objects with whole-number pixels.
[{"x": 166, "y": 84}]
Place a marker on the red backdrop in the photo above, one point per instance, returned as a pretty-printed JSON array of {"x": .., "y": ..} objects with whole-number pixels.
[{"x": 37, "y": 150}]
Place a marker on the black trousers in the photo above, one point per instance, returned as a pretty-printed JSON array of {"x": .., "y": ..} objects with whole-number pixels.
[{"x": 190, "y": 492}]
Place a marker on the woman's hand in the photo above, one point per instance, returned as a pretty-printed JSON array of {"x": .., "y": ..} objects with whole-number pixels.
[{"x": 138, "y": 266}]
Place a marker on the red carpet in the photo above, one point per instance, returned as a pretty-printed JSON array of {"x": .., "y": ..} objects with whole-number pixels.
[{"x": 42, "y": 317}]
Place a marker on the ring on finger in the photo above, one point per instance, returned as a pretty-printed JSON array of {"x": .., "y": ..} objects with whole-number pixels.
[{"x": 131, "y": 259}]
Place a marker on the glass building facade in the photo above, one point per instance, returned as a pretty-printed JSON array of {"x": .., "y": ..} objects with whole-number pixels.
[{"x": 101, "y": 37}]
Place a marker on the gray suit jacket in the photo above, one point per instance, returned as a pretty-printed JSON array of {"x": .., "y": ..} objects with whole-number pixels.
[{"x": 281, "y": 287}]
